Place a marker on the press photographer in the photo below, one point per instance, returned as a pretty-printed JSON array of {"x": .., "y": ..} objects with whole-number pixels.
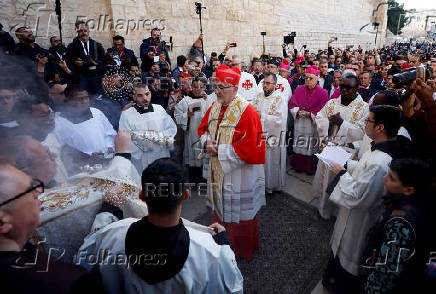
[
  {"x": 119, "y": 55},
  {"x": 57, "y": 70},
  {"x": 154, "y": 42},
  {"x": 86, "y": 57}
]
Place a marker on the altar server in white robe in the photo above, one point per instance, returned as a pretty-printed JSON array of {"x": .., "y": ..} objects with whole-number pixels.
[
  {"x": 282, "y": 84},
  {"x": 358, "y": 193},
  {"x": 385, "y": 97},
  {"x": 273, "y": 115},
  {"x": 247, "y": 87},
  {"x": 340, "y": 122},
  {"x": 187, "y": 114},
  {"x": 69, "y": 208},
  {"x": 161, "y": 253},
  {"x": 83, "y": 128},
  {"x": 144, "y": 116}
]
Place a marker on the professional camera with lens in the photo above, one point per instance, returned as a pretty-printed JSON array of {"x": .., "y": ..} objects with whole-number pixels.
[
  {"x": 289, "y": 39},
  {"x": 406, "y": 78}
]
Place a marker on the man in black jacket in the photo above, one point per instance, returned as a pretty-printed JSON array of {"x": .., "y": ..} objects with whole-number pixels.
[
  {"x": 28, "y": 48},
  {"x": 86, "y": 57},
  {"x": 120, "y": 55},
  {"x": 325, "y": 80},
  {"x": 7, "y": 43}
]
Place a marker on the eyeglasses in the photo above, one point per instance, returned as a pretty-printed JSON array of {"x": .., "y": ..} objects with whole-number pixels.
[
  {"x": 369, "y": 121},
  {"x": 221, "y": 88},
  {"x": 82, "y": 31},
  {"x": 346, "y": 87},
  {"x": 309, "y": 78},
  {"x": 269, "y": 83},
  {"x": 36, "y": 184}
]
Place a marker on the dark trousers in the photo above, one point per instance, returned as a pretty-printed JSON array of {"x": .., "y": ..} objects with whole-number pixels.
[{"x": 338, "y": 281}]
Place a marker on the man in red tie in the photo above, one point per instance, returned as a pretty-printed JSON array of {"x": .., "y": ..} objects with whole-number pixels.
[{"x": 231, "y": 133}]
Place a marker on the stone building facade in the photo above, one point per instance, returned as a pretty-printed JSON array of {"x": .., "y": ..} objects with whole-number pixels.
[{"x": 240, "y": 21}]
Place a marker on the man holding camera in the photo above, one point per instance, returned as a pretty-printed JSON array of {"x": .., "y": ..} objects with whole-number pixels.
[
  {"x": 57, "y": 70},
  {"x": 119, "y": 55},
  {"x": 86, "y": 56},
  {"x": 28, "y": 48},
  {"x": 154, "y": 43}
]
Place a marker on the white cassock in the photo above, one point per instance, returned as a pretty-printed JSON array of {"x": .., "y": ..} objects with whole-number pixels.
[
  {"x": 247, "y": 87},
  {"x": 220, "y": 275},
  {"x": 274, "y": 115},
  {"x": 52, "y": 143},
  {"x": 211, "y": 98},
  {"x": 157, "y": 120},
  {"x": 69, "y": 210},
  {"x": 95, "y": 135},
  {"x": 351, "y": 130},
  {"x": 358, "y": 195},
  {"x": 282, "y": 85},
  {"x": 192, "y": 148}
]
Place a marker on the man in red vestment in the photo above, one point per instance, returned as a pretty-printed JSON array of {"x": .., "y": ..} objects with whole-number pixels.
[{"x": 231, "y": 133}]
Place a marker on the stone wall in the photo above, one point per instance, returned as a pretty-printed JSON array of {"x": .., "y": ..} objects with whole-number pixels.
[{"x": 240, "y": 21}]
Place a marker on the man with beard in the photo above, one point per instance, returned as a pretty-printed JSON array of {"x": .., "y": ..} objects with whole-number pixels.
[
  {"x": 258, "y": 71},
  {"x": 57, "y": 69},
  {"x": 27, "y": 47},
  {"x": 273, "y": 115},
  {"x": 341, "y": 121},
  {"x": 282, "y": 84},
  {"x": 144, "y": 117},
  {"x": 187, "y": 114}
]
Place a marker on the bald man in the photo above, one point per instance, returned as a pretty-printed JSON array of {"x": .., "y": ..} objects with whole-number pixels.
[
  {"x": 25, "y": 268},
  {"x": 73, "y": 205}
]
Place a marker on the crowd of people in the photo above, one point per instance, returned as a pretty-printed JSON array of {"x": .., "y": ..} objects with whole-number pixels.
[{"x": 102, "y": 141}]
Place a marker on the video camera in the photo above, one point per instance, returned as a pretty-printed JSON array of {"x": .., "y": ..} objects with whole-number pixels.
[
  {"x": 289, "y": 39},
  {"x": 406, "y": 78}
]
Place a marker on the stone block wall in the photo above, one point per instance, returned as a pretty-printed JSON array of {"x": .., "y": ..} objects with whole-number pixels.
[{"x": 240, "y": 21}]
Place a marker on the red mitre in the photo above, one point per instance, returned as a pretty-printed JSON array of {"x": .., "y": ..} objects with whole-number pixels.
[{"x": 228, "y": 75}]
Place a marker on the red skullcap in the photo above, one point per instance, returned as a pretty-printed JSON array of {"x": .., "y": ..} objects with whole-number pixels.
[
  {"x": 405, "y": 65},
  {"x": 228, "y": 75},
  {"x": 184, "y": 75}
]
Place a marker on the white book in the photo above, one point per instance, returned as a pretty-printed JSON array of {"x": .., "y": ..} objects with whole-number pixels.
[{"x": 334, "y": 154}]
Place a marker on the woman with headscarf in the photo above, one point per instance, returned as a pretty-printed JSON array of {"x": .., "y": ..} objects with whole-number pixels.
[{"x": 305, "y": 103}]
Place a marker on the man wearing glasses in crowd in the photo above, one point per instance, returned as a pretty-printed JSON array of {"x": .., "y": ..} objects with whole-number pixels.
[{"x": 22, "y": 265}]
